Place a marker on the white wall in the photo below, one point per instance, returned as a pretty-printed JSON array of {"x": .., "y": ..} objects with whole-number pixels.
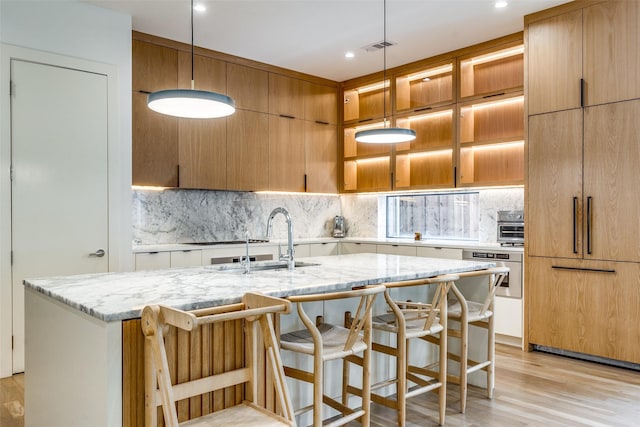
[{"x": 77, "y": 30}]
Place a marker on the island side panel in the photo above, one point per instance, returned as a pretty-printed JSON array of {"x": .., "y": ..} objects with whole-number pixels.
[
  {"x": 73, "y": 366},
  {"x": 208, "y": 350}
]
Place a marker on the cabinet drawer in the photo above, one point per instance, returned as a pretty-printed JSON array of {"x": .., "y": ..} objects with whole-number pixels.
[
  {"x": 152, "y": 261},
  {"x": 357, "y": 248},
  {"x": 434, "y": 252},
  {"x": 396, "y": 250},
  {"x": 191, "y": 258}
]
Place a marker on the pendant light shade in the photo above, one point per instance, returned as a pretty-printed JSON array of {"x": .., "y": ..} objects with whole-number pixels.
[
  {"x": 385, "y": 135},
  {"x": 191, "y": 103}
]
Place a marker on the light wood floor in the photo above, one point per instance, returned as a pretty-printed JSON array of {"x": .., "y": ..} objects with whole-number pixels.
[{"x": 532, "y": 389}]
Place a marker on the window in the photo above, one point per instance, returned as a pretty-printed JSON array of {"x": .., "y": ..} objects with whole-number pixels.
[{"x": 450, "y": 216}]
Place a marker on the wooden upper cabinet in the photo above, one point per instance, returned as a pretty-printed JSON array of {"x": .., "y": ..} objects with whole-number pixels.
[
  {"x": 320, "y": 103},
  {"x": 554, "y": 63},
  {"x": 429, "y": 86},
  {"x": 202, "y": 153},
  {"x": 611, "y": 181},
  {"x": 555, "y": 206},
  {"x": 249, "y": 87},
  {"x": 286, "y": 96},
  {"x": 154, "y": 146},
  {"x": 248, "y": 151},
  {"x": 153, "y": 67},
  {"x": 321, "y": 157},
  {"x": 209, "y": 74},
  {"x": 367, "y": 102},
  {"x": 611, "y": 54},
  {"x": 493, "y": 71},
  {"x": 286, "y": 154}
]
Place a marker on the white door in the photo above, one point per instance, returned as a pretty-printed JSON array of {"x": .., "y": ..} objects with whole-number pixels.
[{"x": 59, "y": 186}]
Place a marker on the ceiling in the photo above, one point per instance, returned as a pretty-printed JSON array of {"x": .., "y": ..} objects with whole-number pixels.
[{"x": 312, "y": 36}]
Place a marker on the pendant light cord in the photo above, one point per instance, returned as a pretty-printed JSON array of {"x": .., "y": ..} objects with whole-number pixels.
[
  {"x": 192, "y": 73},
  {"x": 384, "y": 62}
]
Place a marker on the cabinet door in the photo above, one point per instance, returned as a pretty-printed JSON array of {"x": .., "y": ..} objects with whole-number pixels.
[
  {"x": 209, "y": 74},
  {"x": 611, "y": 54},
  {"x": 189, "y": 258},
  {"x": 153, "y": 67},
  {"x": 611, "y": 181},
  {"x": 396, "y": 250},
  {"x": 248, "y": 151},
  {"x": 555, "y": 63},
  {"x": 152, "y": 261},
  {"x": 154, "y": 145},
  {"x": 323, "y": 249},
  {"x": 202, "y": 153},
  {"x": 286, "y": 96},
  {"x": 321, "y": 158},
  {"x": 249, "y": 87},
  {"x": 587, "y": 311},
  {"x": 320, "y": 103},
  {"x": 357, "y": 248},
  {"x": 431, "y": 252},
  {"x": 286, "y": 154},
  {"x": 555, "y": 185}
]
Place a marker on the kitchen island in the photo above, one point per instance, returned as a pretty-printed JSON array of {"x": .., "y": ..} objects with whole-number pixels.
[{"x": 83, "y": 361}]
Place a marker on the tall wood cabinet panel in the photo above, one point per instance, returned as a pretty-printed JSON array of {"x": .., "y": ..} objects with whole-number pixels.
[
  {"x": 248, "y": 151},
  {"x": 589, "y": 307},
  {"x": 321, "y": 157},
  {"x": 611, "y": 54},
  {"x": 611, "y": 181},
  {"x": 202, "y": 144},
  {"x": 286, "y": 154},
  {"x": 154, "y": 147},
  {"x": 554, "y": 59},
  {"x": 249, "y": 87},
  {"x": 554, "y": 204}
]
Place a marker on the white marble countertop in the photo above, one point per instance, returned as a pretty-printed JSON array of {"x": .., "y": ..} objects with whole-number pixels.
[
  {"x": 121, "y": 296},
  {"x": 463, "y": 244}
]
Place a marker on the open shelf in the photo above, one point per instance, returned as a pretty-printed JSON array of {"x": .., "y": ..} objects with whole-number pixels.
[
  {"x": 499, "y": 119},
  {"x": 490, "y": 164},
  {"x": 426, "y": 87},
  {"x": 371, "y": 174},
  {"x": 492, "y": 72},
  {"x": 366, "y": 102},
  {"x": 428, "y": 169}
]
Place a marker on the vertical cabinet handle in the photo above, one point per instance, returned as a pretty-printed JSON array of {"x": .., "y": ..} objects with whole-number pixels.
[
  {"x": 575, "y": 225},
  {"x": 582, "y": 92},
  {"x": 305, "y": 182},
  {"x": 589, "y": 223}
]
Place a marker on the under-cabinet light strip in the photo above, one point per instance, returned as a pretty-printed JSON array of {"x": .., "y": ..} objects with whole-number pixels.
[
  {"x": 373, "y": 87},
  {"x": 496, "y": 146},
  {"x": 494, "y": 103},
  {"x": 497, "y": 55},
  {"x": 432, "y": 72}
]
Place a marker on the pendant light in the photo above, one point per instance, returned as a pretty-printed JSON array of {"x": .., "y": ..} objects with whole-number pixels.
[
  {"x": 191, "y": 103},
  {"x": 385, "y": 135}
]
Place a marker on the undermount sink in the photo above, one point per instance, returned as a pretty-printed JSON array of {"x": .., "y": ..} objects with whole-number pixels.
[{"x": 259, "y": 266}]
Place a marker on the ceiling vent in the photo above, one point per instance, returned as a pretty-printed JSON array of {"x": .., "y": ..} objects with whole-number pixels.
[{"x": 378, "y": 45}]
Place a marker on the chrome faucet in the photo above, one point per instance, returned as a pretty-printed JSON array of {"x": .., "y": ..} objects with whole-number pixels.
[
  {"x": 246, "y": 260},
  {"x": 289, "y": 256}
]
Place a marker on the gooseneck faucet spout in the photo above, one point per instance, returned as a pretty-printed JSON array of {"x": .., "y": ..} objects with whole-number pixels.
[{"x": 289, "y": 256}]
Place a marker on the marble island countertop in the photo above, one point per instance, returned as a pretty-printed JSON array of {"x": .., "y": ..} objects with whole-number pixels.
[{"x": 121, "y": 296}]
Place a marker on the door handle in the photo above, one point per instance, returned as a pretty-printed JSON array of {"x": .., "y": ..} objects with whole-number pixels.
[
  {"x": 589, "y": 223},
  {"x": 99, "y": 253},
  {"x": 575, "y": 225}
]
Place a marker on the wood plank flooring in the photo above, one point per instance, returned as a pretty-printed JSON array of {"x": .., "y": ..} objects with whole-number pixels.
[{"x": 532, "y": 389}]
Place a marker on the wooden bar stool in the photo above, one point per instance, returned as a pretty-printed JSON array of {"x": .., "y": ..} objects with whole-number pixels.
[
  {"x": 470, "y": 313},
  {"x": 409, "y": 320},
  {"x": 325, "y": 342},
  {"x": 255, "y": 310}
]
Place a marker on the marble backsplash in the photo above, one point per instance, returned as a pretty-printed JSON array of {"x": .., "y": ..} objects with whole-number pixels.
[{"x": 184, "y": 216}]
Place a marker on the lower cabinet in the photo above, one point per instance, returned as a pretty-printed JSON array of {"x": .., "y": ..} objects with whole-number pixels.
[
  {"x": 508, "y": 320},
  {"x": 437, "y": 252},
  {"x": 590, "y": 307},
  {"x": 396, "y": 250},
  {"x": 357, "y": 248},
  {"x": 188, "y": 258},
  {"x": 316, "y": 249},
  {"x": 152, "y": 261}
]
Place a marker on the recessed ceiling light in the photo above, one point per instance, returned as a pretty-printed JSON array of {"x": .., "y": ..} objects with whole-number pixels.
[
  {"x": 199, "y": 8},
  {"x": 500, "y": 4},
  {"x": 349, "y": 55}
]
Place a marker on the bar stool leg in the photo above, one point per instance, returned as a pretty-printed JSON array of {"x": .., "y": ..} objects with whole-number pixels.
[
  {"x": 491, "y": 355},
  {"x": 402, "y": 361},
  {"x": 318, "y": 391},
  {"x": 464, "y": 357}
]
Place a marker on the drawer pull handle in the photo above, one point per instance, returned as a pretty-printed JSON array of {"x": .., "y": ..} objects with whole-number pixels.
[{"x": 591, "y": 270}]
